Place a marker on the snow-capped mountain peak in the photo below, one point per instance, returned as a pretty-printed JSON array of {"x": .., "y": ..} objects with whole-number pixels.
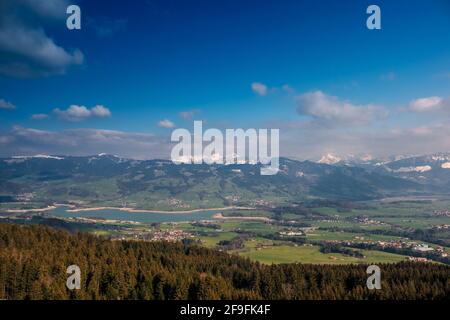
[{"x": 329, "y": 159}]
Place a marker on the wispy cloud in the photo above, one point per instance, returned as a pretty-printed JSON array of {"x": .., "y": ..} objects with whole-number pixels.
[
  {"x": 26, "y": 49},
  {"x": 39, "y": 116},
  {"x": 432, "y": 104},
  {"x": 28, "y": 141},
  {"x": 259, "y": 88},
  {"x": 6, "y": 105},
  {"x": 166, "y": 123},
  {"x": 331, "y": 110}
]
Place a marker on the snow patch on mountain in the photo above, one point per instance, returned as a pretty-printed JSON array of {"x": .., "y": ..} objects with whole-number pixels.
[
  {"x": 414, "y": 169},
  {"x": 440, "y": 157},
  {"x": 38, "y": 156},
  {"x": 445, "y": 165},
  {"x": 329, "y": 159},
  {"x": 299, "y": 174}
]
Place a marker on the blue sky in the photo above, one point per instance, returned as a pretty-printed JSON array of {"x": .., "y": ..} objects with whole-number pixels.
[{"x": 149, "y": 61}]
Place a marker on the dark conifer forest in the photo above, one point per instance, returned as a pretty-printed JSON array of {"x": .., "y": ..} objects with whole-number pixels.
[{"x": 33, "y": 262}]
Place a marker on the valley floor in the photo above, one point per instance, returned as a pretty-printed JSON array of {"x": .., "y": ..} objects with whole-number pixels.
[{"x": 334, "y": 233}]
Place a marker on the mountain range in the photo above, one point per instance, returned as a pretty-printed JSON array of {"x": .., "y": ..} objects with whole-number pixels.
[
  {"x": 160, "y": 184},
  {"x": 430, "y": 170}
]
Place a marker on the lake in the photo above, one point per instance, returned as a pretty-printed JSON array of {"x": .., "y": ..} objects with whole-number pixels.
[{"x": 113, "y": 214}]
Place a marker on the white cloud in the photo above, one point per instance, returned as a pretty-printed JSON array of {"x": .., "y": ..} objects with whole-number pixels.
[
  {"x": 166, "y": 124},
  {"x": 259, "y": 88},
  {"x": 39, "y": 116},
  {"x": 330, "y": 109},
  {"x": 430, "y": 104},
  {"x": 73, "y": 113},
  {"x": 342, "y": 128},
  {"x": 25, "y": 48},
  {"x": 100, "y": 111},
  {"x": 6, "y": 105},
  {"x": 78, "y": 113}
]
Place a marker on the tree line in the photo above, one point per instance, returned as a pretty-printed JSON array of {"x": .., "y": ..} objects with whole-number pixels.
[{"x": 33, "y": 262}]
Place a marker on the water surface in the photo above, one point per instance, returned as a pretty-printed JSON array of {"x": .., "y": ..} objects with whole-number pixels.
[{"x": 114, "y": 214}]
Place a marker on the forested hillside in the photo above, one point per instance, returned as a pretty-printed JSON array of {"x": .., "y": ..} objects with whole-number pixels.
[
  {"x": 163, "y": 185},
  {"x": 33, "y": 262}
]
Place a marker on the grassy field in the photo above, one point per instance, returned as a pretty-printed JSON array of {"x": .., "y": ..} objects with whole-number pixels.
[
  {"x": 212, "y": 241},
  {"x": 311, "y": 254}
]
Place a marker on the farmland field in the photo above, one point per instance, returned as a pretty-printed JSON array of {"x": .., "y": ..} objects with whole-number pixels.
[{"x": 311, "y": 254}]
